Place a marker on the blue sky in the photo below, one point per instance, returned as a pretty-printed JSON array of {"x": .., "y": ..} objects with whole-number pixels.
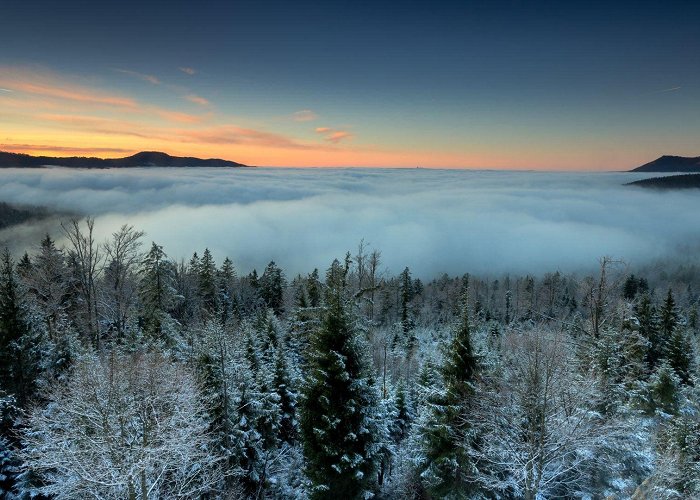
[{"x": 554, "y": 85}]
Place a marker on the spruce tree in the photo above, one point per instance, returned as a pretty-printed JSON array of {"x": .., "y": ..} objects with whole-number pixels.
[
  {"x": 272, "y": 284},
  {"x": 337, "y": 421},
  {"x": 17, "y": 349},
  {"x": 156, "y": 291},
  {"x": 207, "y": 282},
  {"x": 669, "y": 317},
  {"x": 680, "y": 355},
  {"x": 227, "y": 299},
  {"x": 649, "y": 329},
  {"x": 448, "y": 471},
  {"x": 664, "y": 390}
]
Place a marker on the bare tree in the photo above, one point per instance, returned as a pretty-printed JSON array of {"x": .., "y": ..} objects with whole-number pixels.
[
  {"x": 542, "y": 437},
  {"x": 85, "y": 256},
  {"x": 123, "y": 427},
  {"x": 123, "y": 259},
  {"x": 597, "y": 293},
  {"x": 373, "y": 269}
]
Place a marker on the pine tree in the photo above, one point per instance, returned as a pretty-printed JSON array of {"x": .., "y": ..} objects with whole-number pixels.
[
  {"x": 206, "y": 283},
  {"x": 256, "y": 419},
  {"x": 448, "y": 470},
  {"x": 664, "y": 390},
  {"x": 9, "y": 470},
  {"x": 669, "y": 317},
  {"x": 406, "y": 297},
  {"x": 18, "y": 353},
  {"x": 156, "y": 291},
  {"x": 680, "y": 354},
  {"x": 339, "y": 434},
  {"x": 313, "y": 289},
  {"x": 272, "y": 284},
  {"x": 287, "y": 393},
  {"x": 649, "y": 329},
  {"x": 47, "y": 280},
  {"x": 227, "y": 299}
]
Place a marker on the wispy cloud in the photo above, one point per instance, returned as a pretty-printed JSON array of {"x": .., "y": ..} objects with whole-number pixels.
[
  {"x": 22, "y": 148},
  {"x": 663, "y": 91},
  {"x": 68, "y": 92},
  {"x": 141, "y": 76},
  {"x": 232, "y": 134},
  {"x": 333, "y": 135},
  {"x": 305, "y": 115},
  {"x": 79, "y": 120},
  {"x": 179, "y": 117},
  {"x": 185, "y": 69},
  {"x": 5, "y": 90},
  {"x": 197, "y": 99}
]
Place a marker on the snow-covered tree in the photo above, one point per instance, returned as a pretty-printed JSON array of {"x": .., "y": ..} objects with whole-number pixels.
[
  {"x": 542, "y": 437},
  {"x": 447, "y": 468},
  {"x": 339, "y": 407},
  {"x": 118, "y": 295},
  {"x": 123, "y": 426},
  {"x": 156, "y": 291}
]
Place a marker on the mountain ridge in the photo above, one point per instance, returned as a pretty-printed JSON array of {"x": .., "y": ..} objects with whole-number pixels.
[
  {"x": 670, "y": 163},
  {"x": 682, "y": 181},
  {"x": 141, "y": 159}
]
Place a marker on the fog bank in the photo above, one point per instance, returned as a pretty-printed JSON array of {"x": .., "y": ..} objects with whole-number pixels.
[{"x": 430, "y": 220}]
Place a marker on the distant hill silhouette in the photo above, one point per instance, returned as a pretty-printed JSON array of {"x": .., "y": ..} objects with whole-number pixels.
[
  {"x": 142, "y": 159},
  {"x": 12, "y": 215},
  {"x": 671, "y": 164},
  {"x": 685, "y": 181}
]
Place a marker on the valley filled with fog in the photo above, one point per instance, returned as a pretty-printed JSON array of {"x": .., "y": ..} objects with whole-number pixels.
[
  {"x": 433, "y": 221},
  {"x": 374, "y": 333}
]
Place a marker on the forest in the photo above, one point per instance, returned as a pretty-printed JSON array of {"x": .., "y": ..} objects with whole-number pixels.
[{"x": 125, "y": 373}]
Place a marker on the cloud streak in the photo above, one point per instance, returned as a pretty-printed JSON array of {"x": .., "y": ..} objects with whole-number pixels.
[
  {"x": 186, "y": 70},
  {"x": 21, "y": 148},
  {"x": 305, "y": 115},
  {"x": 333, "y": 135},
  {"x": 433, "y": 221},
  {"x": 141, "y": 76},
  {"x": 197, "y": 99}
]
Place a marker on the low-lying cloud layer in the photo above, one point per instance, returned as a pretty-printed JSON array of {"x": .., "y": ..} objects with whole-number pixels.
[{"x": 432, "y": 221}]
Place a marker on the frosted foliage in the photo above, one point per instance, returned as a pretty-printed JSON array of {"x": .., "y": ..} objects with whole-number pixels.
[{"x": 122, "y": 427}]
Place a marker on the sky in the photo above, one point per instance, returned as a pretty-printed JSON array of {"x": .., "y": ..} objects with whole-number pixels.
[
  {"x": 502, "y": 84},
  {"x": 433, "y": 221}
]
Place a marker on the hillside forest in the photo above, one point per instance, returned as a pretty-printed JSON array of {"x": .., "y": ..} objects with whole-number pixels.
[{"x": 125, "y": 373}]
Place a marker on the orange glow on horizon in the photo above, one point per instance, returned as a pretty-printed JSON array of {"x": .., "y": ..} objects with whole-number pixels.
[{"x": 50, "y": 115}]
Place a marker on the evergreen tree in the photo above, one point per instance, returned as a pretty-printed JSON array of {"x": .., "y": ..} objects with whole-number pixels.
[
  {"x": 47, "y": 280},
  {"x": 664, "y": 390},
  {"x": 313, "y": 289},
  {"x": 287, "y": 393},
  {"x": 669, "y": 315},
  {"x": 448, "y": 471},
  {"x": 680, "y": 354},
  {"x": 156, "y": 291},
  {"x": 629, "y": 289},
  {"x": 18, "y": 352},
  {"x": 401, "y": 425},
  {"x": 206, "y": 283},
  {"x": 649, "y": 329},
  {"x": 227, "y": 299},
  {"x": 256, "y": 417},
  {"x": 406, "y": 297},
  {"x": 9, "y": 470},
  {"x": 339, "y": 431},
  {"x": 272, "y": 284}
]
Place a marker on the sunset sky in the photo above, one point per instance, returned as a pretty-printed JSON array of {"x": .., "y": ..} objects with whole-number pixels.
[{"x": 508, "y": 84}]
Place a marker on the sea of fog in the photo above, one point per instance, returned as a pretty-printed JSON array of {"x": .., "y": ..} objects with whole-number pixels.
[{"x": 432, "y": 221}]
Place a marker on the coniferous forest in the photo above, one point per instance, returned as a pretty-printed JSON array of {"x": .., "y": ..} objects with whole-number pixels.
[{"x": 125, "y": 373}]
